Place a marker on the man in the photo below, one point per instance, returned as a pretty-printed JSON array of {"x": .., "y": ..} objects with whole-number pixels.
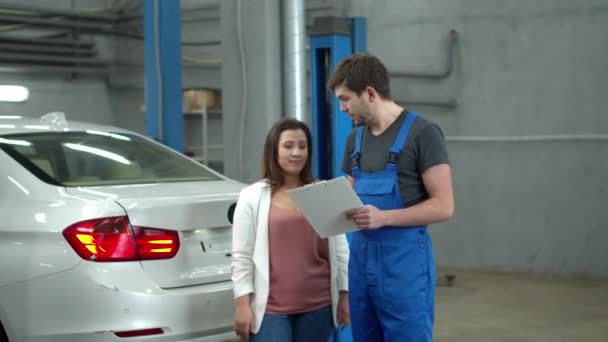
[{"x": 398, "y": 165}]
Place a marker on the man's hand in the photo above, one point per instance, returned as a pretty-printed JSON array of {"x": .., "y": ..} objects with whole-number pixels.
[
  {"x": 367, "y": 217},
  {"x": 243, "y": 321},
  {"x": 343, "y": 310}
]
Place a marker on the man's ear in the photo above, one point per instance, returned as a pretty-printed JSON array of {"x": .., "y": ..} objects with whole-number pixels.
[{"x": 371, "y": 94}]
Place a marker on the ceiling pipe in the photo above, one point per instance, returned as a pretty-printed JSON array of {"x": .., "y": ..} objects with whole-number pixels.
[
  {"x": 52, "y": 50},
  {"x": 46, "y": 59},
  {"x": 21, "y": 68},
  {"x": 446, "y": 70},
  {"x": 110, "y": 18},
  {"x": 202, "y": 43},
  {"x": 211, "y": 7},
  {"x": 47, "y": 42},
  {"x": 66, "y": 24},
  {"x": 203, "y": 8}
]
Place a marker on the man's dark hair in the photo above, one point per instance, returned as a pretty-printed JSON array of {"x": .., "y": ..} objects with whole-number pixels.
[
  {"x": 270, "y": 165},
  {"x": 360, "y": 71}
]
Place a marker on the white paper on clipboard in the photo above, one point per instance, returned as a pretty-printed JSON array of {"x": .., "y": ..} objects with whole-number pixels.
[{"x": 324, "y": 203}]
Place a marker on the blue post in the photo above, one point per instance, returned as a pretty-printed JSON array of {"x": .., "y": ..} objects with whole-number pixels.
[
  {"x": 330, "y": 42},
  {"x": 330, "y": 126},
  {"x": 163, "y": 70},
  {"x": 328, "y": 141},
  {"x": 342, "y": 125},
  {"x": 359, "y": 34},
  {"x": 319, "y": 108}
]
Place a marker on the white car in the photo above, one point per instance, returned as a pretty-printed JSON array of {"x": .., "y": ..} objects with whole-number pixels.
[{"x": 106, "y": 235}]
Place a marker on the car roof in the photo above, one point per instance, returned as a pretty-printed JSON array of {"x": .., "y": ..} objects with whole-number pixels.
[{"x": 21, "y": 124}]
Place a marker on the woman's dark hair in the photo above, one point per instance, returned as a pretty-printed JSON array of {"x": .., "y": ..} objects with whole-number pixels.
[{"x": 271, "y": 170}]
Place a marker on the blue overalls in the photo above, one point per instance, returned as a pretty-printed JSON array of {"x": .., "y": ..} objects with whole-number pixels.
[{"x": 391, "y": 269}]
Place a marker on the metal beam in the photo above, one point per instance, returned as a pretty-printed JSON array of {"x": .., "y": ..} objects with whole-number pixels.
[
  {"x": 41, "y": 59},
  {"x": 49, "y": 42},
  {"x": 52, "y": 50},
  {"x": 37, "y": 69},
  {"x": 60, "y": 12},
  {"x": 202, "y": 43},
  {"x": 202, "y": 8},
  {"x": 66, "y": 24}
]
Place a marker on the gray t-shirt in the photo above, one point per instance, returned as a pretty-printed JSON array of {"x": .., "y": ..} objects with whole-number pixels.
[{"x": 424, "y": 148}]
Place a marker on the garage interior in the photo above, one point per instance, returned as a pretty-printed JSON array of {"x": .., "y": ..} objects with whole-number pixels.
[{"x": 518, "y": 88}]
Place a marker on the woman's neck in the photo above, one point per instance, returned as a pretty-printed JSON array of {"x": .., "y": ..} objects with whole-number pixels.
[{"x": 291, "y": 182}]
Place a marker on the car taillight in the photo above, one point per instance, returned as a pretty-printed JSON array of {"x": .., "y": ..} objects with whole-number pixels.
[
  {"x": 114, "y": 239},
  {"x": 155, "y": 243},
  {"x": 106, "y": 239}
]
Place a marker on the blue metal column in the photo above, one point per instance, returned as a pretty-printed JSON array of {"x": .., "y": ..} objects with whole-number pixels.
[
  {"x": 329, "y": 124},
  {"x": 163, "y": 67},
  {"x": 359, "y": 34}
]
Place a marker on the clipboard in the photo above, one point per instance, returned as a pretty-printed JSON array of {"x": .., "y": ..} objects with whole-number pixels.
[{"x": 324, "y": 203}]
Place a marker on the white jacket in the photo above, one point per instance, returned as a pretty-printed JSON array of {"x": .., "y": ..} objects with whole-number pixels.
[{"x": 250, "y": 260}]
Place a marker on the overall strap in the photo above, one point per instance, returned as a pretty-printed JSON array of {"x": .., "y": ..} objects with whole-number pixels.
[
  {"x": 355, "y": 157},
  {"x": 399, "y": 144},
  {"x": 395, "y": 151}
]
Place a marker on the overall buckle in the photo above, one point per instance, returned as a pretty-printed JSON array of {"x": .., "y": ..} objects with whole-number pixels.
[
  {"x": 393, "y": 157},
  {"x": 355, "y": 160}
]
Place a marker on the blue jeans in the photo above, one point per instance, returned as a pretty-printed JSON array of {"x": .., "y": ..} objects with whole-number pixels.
[{"x": 310, "y": 326}]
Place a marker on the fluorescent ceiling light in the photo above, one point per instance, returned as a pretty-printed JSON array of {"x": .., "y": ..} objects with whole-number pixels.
[
  {"x": 99, "y": 152},
  {"x": 13, "y": 93},
  {"x": 36, "y": 127},
  {"x": 15, "y": 142},
  {"x": 107, "y": 134},
  {"x": 10, "y": 117}
]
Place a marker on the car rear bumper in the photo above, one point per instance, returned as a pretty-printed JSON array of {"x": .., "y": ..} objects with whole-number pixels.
[{"x": 93, "y": 300}]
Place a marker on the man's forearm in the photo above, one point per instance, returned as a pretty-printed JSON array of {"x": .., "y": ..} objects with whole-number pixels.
[{"x": 431, "y": 211}]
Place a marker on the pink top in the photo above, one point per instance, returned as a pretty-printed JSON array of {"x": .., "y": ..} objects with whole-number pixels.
[{"x": 299, "y": 264}]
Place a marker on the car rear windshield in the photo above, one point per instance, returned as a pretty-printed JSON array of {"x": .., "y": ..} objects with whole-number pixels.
[{"x": 100, "y": 158}]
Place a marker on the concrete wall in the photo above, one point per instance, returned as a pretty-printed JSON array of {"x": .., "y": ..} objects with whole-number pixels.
[
  {"x": 260, "y": 27},
  {"x": 521, "y": 68},
  {"x": 83, "y": 98}
]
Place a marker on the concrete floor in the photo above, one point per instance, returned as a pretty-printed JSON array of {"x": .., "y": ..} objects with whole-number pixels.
[{"x": 519, "y": 307}]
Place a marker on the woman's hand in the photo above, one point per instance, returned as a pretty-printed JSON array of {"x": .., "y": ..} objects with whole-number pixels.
[
  {"x": 243, "y": 319},
  {"x": 343, "y": 310}
]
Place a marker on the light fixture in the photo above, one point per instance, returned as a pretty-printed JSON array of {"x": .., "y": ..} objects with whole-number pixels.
[
  {"x": 13, "y": 93},
  {"x": 15, "y": 142},
  {"x": 99, "y": 152}
]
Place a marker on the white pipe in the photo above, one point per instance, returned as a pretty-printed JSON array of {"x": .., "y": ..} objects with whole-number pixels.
[
  {"x": 243, "y": 121},
  {"x": 294, "y": 55},
  {"x": 159, "y": 75},
  {"x": 526, "y": 138}
]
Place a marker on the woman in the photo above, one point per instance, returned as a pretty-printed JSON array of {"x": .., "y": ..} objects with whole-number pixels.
[{"x": 289, "y": 284}]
